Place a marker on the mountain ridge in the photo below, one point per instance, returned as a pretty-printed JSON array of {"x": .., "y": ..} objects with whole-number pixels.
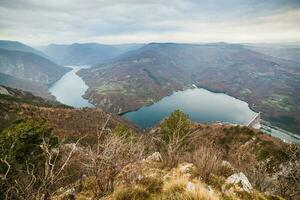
[
  {"x": 85, "y": 53},
  {"x": 19, "y": 46},
  {"x": 145, "y": 75}
]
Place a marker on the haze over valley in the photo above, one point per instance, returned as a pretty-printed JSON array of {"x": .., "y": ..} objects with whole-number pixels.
[{"x": 144, "y": 100}]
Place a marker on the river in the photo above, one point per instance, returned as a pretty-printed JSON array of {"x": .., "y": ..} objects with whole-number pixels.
[
  {"x": 70, "y": 88},
  {"x": 200, "y": 104}
]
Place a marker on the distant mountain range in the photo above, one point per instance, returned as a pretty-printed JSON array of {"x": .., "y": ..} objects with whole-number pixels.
[
  {"x": 26, "y": 68},
  {"x": 29, "y": 66},
  {"x": 86, "y": 53},
  {"x": 292, "y": 53},
  {"x": 269, "y": 84},
  {"x": 127, "y": 76},
  {"x": 18, "y": 46}
]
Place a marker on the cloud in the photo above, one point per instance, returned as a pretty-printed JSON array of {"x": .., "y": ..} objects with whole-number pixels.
[{"x": 122, "y": 21}]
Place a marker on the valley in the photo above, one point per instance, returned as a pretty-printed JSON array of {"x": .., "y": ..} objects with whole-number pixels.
[
  {"x": 138, "y": 78},
  {"x": 70, "y": 88},
  {"x": 150, "y": 100}
]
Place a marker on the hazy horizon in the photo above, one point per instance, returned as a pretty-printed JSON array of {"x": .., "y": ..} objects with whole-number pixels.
[{"x": 41, "y": 23}]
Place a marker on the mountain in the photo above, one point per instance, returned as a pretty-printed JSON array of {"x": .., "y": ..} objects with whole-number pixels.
[
  {"x": 18, "y": 46},
  {"x": 34, "y": 87},
  {"x": 140, "y": 77},
  {"x": 29, "y": 66},
  {"x": 86, "y": 53},
  {"x": 282, "y": 51}
]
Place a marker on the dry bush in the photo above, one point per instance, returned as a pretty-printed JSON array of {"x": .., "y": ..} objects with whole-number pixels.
[
  {"x": 42, "y": 182},
  {"x": 208, "y": 160},
  {"x": 259, "y": 176},
  {"x": 176, "y": 189},
  {"x": 289, "y": 181},
  {"x": 105, "y": 160}
]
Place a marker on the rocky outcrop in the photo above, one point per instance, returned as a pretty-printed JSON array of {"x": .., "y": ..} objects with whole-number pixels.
[
  {"x": 4, "y": 91},
  {"x": 238, "y": 178}
]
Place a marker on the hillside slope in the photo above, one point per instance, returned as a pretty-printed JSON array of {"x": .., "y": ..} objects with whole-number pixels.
[
  {"x": 99, "y": 155},
  {"x": 34, "y": 87},
  {"x": 66, "y": 121},
  {"x": 143, "y": 76},
  {"x": 18, "y": 46},
  {"x": 29, "y": 66}
]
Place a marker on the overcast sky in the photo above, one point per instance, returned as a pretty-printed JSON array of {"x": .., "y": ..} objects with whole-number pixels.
[{"x": 40, "y": 22}]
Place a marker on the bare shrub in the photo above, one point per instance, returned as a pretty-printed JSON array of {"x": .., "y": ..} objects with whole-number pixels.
[
  {"x": 41, "y": 182},
  {"x": 208, "y": 160},
  {"x": 289, "y": 180},
  {"x": 105, "y": 160},
  {"x": 32, "y": 160}
]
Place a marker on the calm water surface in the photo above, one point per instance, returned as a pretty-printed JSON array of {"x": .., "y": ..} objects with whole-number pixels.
[
  {"x": 70, "y": 88},
  {"x": 201, "y": 105}
]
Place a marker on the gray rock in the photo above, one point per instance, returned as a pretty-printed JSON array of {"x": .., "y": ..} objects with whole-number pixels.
[
  {"x": 238, "y": 178},
  {"x": 4, "y": 91},
  {"x": 187, "y": 169},
  {"x": 155, "y": 157}
]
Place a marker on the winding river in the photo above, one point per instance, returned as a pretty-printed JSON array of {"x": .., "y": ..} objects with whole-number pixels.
[
  {"x": 70, "y": 88},
  {"x": 200, "y": 104}
]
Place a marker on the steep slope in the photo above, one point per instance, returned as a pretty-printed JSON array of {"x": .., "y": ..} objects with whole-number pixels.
[
  {"x": 65, "y": 121},
  {"x": 140, "y": 77},
  {"x": 196, "y": 161},
  {"x": 35, "y": 88},
  {"x": 86, "y": 53},
  {"x": 18, "y": 46},
  {"x": 29, "y": 66}
]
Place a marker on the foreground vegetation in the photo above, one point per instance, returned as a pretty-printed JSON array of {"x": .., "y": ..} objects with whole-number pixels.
[
  {"x": 49, "y": 151},
  {"x": 176, "y": 160}
]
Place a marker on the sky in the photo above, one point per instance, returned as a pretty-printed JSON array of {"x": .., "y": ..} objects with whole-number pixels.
[{"x": 40, "y": 22}]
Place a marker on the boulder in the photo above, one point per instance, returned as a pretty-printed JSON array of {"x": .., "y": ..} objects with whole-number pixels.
[
  {"x": 4, "y": 91},
  {"x": 187, "y": 169},
  {"x": 238, "y": 178}
]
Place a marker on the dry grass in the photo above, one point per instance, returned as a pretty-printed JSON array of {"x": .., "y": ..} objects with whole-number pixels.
[
  {"x": 176, "y": 189},
  {"x": 208, "y": 160}
]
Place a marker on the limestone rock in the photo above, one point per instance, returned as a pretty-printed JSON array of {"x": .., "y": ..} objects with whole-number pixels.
[
  {"x": 236, "y": 179},
  {"x": 156, "y": 157},
  {"x": 187, "y": 169},
  {"x": 4, "y": 91}
]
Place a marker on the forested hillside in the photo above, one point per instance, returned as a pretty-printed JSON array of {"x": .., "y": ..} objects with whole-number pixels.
[{"x": 270, "y": 85}]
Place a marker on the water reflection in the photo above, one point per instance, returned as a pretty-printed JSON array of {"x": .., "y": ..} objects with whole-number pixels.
[
  {"x": 70, "y": 88},
  {"x": 201, "y": 105}
]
